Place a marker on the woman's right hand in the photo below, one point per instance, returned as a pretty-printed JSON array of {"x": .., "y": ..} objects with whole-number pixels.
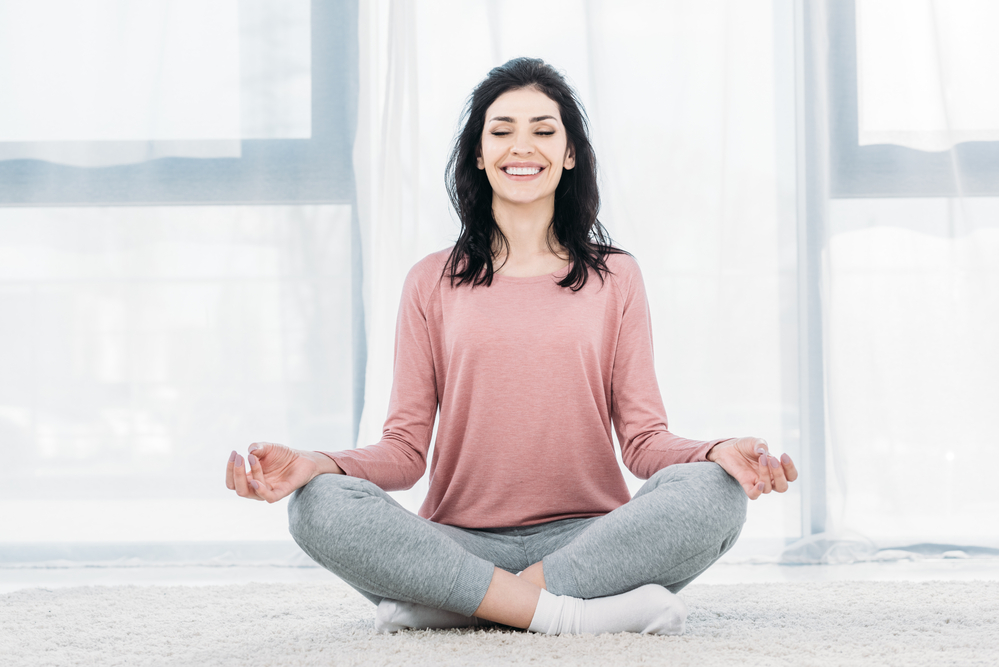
[{"x": 275, "y": 471}]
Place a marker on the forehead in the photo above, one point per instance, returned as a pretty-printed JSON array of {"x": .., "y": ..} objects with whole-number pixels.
[{"x": 523, "y": 103}]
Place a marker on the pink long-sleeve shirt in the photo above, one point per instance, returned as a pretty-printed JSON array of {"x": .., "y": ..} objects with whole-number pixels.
[{"x": 529, "y": 377}]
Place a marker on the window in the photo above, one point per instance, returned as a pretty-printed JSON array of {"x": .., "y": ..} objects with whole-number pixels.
[
  {"x": 886, "y": 170},
  {"x": 315, "y": 168}
]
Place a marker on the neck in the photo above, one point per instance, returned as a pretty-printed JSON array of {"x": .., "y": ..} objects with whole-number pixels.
[{"x": 527, "y": 228}]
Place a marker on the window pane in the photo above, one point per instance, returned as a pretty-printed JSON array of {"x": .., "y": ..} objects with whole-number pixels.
[{"x": 141, "y": 345}]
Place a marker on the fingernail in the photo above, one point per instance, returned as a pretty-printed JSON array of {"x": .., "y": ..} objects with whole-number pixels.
[
  {"x": 254, "y": 447},
  {"x": 761, "y": 450},
  {"x": 239, "y": 460},
  {"x": 232, "y": 457},
  {"x": 253, "y": 460},
  {"x": 760, "y": 487},
  {"x": 774, "y": 463},
  {"x": 784, "y": 458},
  {"x": 254, "y": 484},
  {"x": 763, "y": 459}
]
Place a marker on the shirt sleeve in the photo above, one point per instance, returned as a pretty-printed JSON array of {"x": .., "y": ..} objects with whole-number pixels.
[
  {"x": 399, "y": 459},
  {"x": 637, "y": 409}
]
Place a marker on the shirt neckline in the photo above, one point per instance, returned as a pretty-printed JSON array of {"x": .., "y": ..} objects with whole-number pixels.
[{"x": 557, "y": 276}]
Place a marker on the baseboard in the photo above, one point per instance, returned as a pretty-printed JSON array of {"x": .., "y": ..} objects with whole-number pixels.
[{"x": 283, "y": 553}]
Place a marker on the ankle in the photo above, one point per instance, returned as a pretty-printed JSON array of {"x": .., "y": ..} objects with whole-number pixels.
[{"x": 535, "y": 574}]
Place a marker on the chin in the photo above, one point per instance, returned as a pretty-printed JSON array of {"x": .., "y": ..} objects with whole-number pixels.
[{"x": 524, "y": 199}]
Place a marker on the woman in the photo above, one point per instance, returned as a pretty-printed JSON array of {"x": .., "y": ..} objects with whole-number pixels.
[{"x": 532, "y": 336}]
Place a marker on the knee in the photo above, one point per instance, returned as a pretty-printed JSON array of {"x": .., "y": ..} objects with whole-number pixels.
[
  {"x": 722, "y": 496},
  {"x": 316, "y": 507},
  {"x": 730, "y": 498},
  {"x": 737, "y": 500}
]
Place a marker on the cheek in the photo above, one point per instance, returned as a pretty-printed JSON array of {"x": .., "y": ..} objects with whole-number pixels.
[{"x": 487, "y": 149}]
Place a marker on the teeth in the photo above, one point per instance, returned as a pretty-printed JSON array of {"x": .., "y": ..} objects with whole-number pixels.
[{"x": 522, "y": 171}]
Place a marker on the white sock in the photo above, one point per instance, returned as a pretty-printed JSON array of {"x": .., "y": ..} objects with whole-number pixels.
[
  {"x": 649, "y": 609},
  {"x": 393, "y": 616}
]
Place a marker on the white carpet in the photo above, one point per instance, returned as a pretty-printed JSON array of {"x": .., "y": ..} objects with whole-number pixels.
[{"x": 842, "y": 623}]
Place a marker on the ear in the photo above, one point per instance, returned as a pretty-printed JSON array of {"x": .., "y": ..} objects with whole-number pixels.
[
  {"x": 570, "y": 158},
  {"x": 479, "y": 162}
]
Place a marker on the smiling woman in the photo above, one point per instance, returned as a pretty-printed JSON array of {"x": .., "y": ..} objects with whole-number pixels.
[
  {"x": 523, "y": 117},
  {"x": 530, "y": 363},
  {"x": 524, "y": 151}
]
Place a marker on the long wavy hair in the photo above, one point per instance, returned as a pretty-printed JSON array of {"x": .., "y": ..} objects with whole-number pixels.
[{"x": 577, "y": 199}]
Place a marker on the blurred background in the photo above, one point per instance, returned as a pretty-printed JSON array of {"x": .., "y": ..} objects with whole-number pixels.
[{"x": 207, "y": 210}]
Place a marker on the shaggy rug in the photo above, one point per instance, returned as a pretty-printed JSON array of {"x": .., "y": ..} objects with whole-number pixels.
[{"x": 843, "y": 623}]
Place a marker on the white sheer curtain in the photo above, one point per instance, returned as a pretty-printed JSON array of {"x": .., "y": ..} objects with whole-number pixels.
[
  {"x": 696, "y": 118},
  {"x": 140, "y": 343},
  {"x": 119, "y": 82},
  {"x": 925, "y": 75},
  {"x": 681, "y": 98},
  {"x": 911, "y": 277}
]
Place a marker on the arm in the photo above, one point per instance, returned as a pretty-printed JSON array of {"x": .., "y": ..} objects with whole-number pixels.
[
  {"x": 637, "y": 409},
  {"x": 399, "y": 459},
  {"x": 646, "y": 444}
]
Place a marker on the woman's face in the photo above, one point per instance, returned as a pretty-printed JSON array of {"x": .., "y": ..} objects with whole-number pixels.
[{"x": 523, "y": 149}]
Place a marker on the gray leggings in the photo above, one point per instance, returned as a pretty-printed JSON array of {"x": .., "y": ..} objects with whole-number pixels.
[{"x": 679, "y": 523}]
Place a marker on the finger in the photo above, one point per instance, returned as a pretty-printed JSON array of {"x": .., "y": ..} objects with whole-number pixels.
[
  {"x": 764, "y": 473},
  {"x": 790, "y": 472},
  {"x": 777, "y": 472},
  {"x": 761, "y": 447},
  {"x": 243, "y": 487},
  {"x": 258, "y": 482},
  {"x": 754, "y": 491},
  {"x": 256, "y": 472},
  {"x": 229, "y": 484},
  {"x": 263, "y": 492},
  {"x": 750, "y": 488},
  {"x": 239, "y": 476}
]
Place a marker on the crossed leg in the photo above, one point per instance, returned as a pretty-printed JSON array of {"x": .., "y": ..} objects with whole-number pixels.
[{"x": 682, "y": 520}]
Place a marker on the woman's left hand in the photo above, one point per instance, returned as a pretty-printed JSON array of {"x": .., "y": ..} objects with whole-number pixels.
[{"x": 748, "y": 460}]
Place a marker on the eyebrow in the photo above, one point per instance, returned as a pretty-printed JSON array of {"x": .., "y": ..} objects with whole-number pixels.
[{"x": 507, "y": 119}]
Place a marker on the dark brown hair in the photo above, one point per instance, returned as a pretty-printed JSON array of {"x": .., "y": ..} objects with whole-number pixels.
[{"x": 577, "y": 200}]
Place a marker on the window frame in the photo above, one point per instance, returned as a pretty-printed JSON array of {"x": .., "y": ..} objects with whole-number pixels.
[
  {"x": 317, "y": 170},
  {"x": 885, "y": 170}
]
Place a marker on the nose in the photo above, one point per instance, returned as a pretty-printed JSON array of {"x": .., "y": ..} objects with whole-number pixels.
[{"x": 523, "y": 144}]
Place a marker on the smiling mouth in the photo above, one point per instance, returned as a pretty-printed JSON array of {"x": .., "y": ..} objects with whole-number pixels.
[{"x": 522, "y": 171}]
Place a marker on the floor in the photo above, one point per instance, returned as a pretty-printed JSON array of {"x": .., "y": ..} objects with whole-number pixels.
[{"x": 14, "y": 578}]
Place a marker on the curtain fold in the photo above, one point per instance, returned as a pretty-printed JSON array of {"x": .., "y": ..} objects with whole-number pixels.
[
  {"x": 163, "y": 303},
  {"x": 909, "y": 300}
]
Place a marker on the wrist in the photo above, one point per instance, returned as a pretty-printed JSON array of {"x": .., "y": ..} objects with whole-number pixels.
[
  {"x": 324, "y": 464},
  {"x": 712, "y": 454}
]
